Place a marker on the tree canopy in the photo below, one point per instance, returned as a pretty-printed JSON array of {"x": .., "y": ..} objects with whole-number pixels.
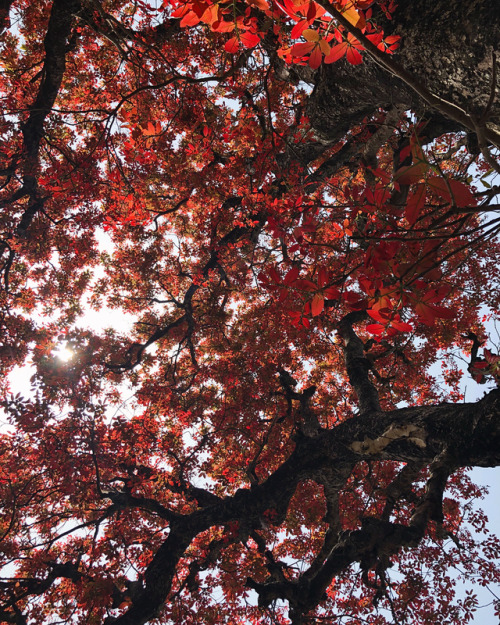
[{"x": 295, "y": 204}]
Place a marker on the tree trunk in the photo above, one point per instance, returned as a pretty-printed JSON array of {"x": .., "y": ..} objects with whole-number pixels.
[{"x": 447, "y": 46}]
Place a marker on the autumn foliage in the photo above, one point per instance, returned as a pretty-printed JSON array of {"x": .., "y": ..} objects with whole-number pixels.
[{"x": 268, "y": 423}]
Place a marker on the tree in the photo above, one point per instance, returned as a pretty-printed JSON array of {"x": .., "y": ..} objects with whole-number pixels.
[{"x": 295, "y": 204}]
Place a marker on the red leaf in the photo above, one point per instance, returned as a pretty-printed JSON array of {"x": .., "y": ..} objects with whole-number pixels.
[
  {"x": 375, "y": 328},
  {"x": 232, "y": 45},
  {"x": 491, "y": 358},
  {"x": 332, "y": 293},
  {"x": 425, "y": 313},
  {"x": 460, "y": 195},
  {"x": 292, "y": 275},
  {"x": 401, "y": 326},
  {"x": 249, "y": 40},
  {"x": 439, "y": 186},
  {"x": 263, "y": 279},
  {"x": 190, "y": 19},
  {"x": 411, "y": 173},
  {"x": 182, "y": 10},
  {"x": 444, "y": 313},
  {"x": 322, "y": 277},
  {"x": 354, "y": 300},
  {"x": 305, "y": 285},
  {"x": 274, "y": 274},
  {"x": 415, "y": 203},
  {"x": 298, "y": 29},
  {"x": 317, "y": 305},
  {"x": 311, "y": 11},
  {"x": 300, "y": 49},
  {"x": 315, "y": 58},
  {"x": 375, "y": 314},
  {"x": 353, "y": 56},
  {"x": 336, "y": 53},
  {"x": 429, "y": 312}
]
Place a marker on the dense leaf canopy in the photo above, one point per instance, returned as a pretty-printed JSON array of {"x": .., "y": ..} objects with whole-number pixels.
[{"x": 286, "y": 214}]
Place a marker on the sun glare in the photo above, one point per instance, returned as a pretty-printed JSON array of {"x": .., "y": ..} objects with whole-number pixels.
[{"x": 63, "y": 353}]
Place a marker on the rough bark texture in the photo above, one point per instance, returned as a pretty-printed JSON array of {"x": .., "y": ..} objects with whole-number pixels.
[{"x": 448, "y": 48}]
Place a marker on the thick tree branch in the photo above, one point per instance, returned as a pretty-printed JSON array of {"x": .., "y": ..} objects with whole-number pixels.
[
  {"x": 467, "y": 433},
  {"x": 448, "y": 436},
  {"x": 61, "y": 21},
  {"x": 357, "y": 365},
  {"x": 4, "y": 14}
]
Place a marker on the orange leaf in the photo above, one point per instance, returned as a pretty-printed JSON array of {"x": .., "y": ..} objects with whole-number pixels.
[
  {"x": 324, "y": 46},
  {"x": 260, "y": 4},
  {"x": 353, "y": 16},
  {"x": 190, "y": 19},
  {"x": 125, "y": 604},
  {"x": 311, "y": 35},
  {"x": 211, "y": 14},
  {"x": 221, "y": 26}
]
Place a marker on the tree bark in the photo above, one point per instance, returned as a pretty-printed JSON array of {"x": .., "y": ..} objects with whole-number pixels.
[{"x": 447, "y": 47}]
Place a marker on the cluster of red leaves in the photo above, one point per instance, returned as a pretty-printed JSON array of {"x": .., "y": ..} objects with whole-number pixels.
[{"x": 325, "y": 39}]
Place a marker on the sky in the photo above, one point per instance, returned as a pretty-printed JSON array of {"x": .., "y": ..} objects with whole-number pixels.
[
  {"x": 489, "y": 478},
  {"x": 491, "y": 505}
]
